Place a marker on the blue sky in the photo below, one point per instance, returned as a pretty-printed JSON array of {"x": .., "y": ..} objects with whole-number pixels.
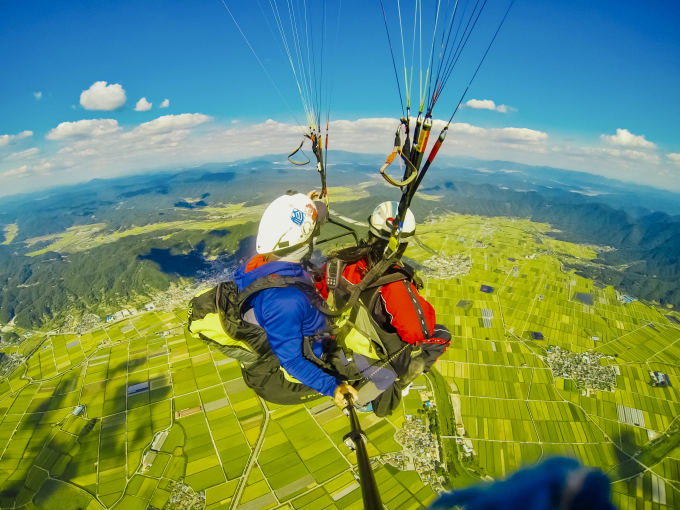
[{"x": 571, "y": 73}]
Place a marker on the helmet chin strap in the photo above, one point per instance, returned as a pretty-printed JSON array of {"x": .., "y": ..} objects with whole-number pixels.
[{"x": 298, "y": 254}]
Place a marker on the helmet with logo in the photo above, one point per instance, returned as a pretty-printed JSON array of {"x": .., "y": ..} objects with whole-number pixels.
[
  {"x": 380, "y": 222},
  {"x": 287, "y": 222}
]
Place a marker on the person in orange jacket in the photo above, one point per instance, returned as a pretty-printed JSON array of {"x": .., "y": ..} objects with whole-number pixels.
[{"x": 396, "y": 316}]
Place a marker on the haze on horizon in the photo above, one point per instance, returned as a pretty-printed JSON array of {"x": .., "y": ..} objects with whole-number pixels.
[{"x": 125, "y": 88}]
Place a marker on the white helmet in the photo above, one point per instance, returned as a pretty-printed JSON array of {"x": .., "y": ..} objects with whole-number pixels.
[
  {"x": 288, "y": 221},
  {"x": 386, "y": 212}
]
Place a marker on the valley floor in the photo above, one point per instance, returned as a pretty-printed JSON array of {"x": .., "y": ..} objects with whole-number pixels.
[{"x": 497, "y": 283}]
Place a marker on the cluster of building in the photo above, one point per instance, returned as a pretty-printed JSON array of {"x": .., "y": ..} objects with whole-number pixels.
[
  {"x": 184, "y": 497},
  {"x": 121, "y": 314},
  {"x": 465, "y": 443},
  {"x": 659, "y": 380},
  {"x": 88, "y": 322},
  {"x": 584, "y": 369},
  {"x": 421, "y": 449},
  {"x": 444, "y": 268},
  {"x": 9, "y": 361},
  {"x": 127, "y": 312},
  {"x": 188, "y": 412},
  {"x": 156, "y": 445}
]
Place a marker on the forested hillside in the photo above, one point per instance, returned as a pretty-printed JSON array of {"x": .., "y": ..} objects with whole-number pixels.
[{"x": 111, "y": 243}]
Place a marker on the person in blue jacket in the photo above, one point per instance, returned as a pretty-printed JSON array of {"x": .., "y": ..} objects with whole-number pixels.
[{"x": 285, "y": 236}]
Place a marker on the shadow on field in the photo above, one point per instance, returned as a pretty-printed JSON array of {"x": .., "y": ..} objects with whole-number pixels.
[{"x": 58, "y": 495}]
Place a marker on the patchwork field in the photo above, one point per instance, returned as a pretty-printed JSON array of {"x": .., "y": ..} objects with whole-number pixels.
[
  {"x": 144, "y": 375},
  {"x": 143, "y": 379},
  {"x": 516, "y": 303}
]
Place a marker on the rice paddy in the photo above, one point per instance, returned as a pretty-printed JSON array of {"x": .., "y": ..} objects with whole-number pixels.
[
  {"x": 144, "y": 375},
  {"x": 513, "y": 410}
]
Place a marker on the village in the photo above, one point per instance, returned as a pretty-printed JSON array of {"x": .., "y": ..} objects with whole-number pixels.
[
  {"x": 421, "y": 451},
  {"x": 584, "y": 369}
]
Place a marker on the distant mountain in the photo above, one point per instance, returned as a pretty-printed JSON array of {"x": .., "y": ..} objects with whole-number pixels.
[
  {"x": 90, "y": 276},
  {"x": 649, "y": 246}
]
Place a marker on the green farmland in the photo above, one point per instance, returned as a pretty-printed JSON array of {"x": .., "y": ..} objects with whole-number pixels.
[
  {"x": 235, "y": 449},
  {"x": 144, "y": 375},
  {"x": 514, "y": 410}
]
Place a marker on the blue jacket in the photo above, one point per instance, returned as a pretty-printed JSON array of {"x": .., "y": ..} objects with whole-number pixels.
[
  {"x": 558, "y": 482},
  {"x": 287, "y": 316}
]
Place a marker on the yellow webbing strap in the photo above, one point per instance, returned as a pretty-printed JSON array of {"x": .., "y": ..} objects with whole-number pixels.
[
  {"x": 392, "y": 181},
  {"x": 398, "y": 145},
  {"x": 295, "y": 151}
]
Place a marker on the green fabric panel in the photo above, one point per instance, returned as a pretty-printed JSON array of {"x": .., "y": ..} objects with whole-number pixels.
[{"x": 211, "y": 326}]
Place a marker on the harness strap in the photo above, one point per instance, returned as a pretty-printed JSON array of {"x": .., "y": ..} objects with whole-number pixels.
[
  {"x": 419, "y": 310},
  {"x": 371, "y": 277},
  {"x": 390, "y": 278},
  {"x": 274, "y": 281},
  {"x": 411, "y": 169},
  {"x": 299, "y": 163},
  {"x": 370, "y": 280}
]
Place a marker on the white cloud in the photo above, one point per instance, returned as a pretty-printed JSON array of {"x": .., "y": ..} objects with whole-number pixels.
[
  {"x": 481, "y": 104},
  {"x": 85, "y": 153},
  {"x": 674, "y": 157},
  {"x": 37, "y": 95},
  {"x": 41, "y": 168},
  {"x": 143, "y": 105},
  {"x": 503, "y": 108},
  {"x": 101, "y": 96},
  {"x": 165, "y": 103},
  {"x": 635, "y": 155},
  {"x": 89, "y": 127},
  {"x": 102, "y": 148},
  {"x": 6, "y": 139},
  {"x": 512, "y": 134},
  {"x": 625, "y": 138},
  {"x": 168, "y": 140},
  {"x": 23, "y": 154},
  {"x": 168, "y": 123},
  {"x": 16, "y": 172},
  {"x": 463, "y": 127},
  {"x": 616, "y": 156},
  {"x": 487, "y": 104},
  {"x": 106, "y": 146}
]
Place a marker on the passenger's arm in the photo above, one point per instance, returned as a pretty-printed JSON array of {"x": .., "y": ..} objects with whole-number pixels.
[{"x": 282, "y": 312}]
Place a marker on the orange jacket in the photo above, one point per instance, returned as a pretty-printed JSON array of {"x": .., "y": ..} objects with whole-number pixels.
[{"x": 398, "y": 309}]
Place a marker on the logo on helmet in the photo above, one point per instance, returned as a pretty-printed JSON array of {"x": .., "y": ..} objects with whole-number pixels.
[
  {"x": 311, "y": 211},
  {"x": 297, "y": 217}
]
